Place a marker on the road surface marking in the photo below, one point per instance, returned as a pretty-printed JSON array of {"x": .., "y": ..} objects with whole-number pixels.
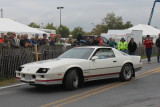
[
  {"x": 96, "y": 90},
  {"x": 93, "y": 93},
  {"x": 77, "y": 95},
  {"x": 15, "y": 85}
]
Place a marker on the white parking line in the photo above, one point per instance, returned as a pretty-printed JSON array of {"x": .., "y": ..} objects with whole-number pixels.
[{"x": 15, "y": 85}]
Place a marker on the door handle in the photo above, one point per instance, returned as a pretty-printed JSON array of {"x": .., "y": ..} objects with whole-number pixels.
[{"x": 114, "y": 61}]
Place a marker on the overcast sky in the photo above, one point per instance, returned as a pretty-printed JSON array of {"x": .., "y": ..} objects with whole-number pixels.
[{"x": 79, "y": 12}]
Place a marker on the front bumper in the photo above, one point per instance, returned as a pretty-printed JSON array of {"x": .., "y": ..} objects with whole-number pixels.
[
  {"x": 43, "y": 82},
  {"x": 37, "y": 79}
]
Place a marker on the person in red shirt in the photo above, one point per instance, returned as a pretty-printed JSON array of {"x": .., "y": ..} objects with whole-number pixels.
[
  {"x": 100, "y": 40},
  {"x": 2, "y": 37},
  {"x": 148, "y": 47},
  {"x": 1, "y": 40}
]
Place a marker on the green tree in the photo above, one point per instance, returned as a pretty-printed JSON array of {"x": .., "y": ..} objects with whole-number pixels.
[
  {"x": 99, "y": 29},
  {"x": 76, "y": 31},
  {"x": 34, "y": 25},
  {"x": 50, "y": 26},
  {"x": 64, "y": 31},
  {"x": 127, "y": 25},
  {"x": 112, "y": 21}
]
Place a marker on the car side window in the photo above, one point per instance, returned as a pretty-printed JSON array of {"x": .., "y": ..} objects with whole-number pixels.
[{"x": 104, "y": 53}]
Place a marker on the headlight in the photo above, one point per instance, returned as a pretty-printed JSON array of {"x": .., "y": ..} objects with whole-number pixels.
[
  {"x": 20, "y": 69},
  {"x": 42, "y": 70}
]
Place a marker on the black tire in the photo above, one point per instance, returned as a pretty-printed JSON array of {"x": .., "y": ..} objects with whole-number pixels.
[
  {"x": 72, "y": 80},
  {"x": 126, "y": 72}
]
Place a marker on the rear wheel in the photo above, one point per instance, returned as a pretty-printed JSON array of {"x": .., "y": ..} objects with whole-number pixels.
[
  {"x": 126, "y": 72},
  {"x": 72, "y": 80}
]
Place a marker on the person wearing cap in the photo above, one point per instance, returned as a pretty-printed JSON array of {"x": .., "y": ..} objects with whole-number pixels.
[
  {"x": 33, "y": 41},
  {"x": 148, "y": 43},
  {"x": 122, "y": 45},
  {"x": 158, "y": 48},
  {"x": 36, "y": 37}
]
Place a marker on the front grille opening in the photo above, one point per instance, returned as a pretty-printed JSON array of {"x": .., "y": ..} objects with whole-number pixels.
[
  {"x": 33, "y": 76},
  {"x": 42, "y": 76},
  {"x": 23, "y": 75}
]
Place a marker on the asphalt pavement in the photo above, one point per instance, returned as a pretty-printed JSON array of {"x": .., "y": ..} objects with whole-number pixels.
[{"x": 141, "y": 91}]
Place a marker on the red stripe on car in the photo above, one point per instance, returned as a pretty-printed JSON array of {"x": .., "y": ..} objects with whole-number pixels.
[
  {"x": 101, "y": 75},
  {"x": 18, "y": 78},
  {"x": 48, "y": 80}
]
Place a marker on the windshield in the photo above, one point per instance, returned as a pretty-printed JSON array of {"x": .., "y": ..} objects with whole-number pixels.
[{"x": 77, "y": 53}]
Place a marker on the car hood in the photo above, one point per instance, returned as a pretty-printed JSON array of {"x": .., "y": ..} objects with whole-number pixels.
[{"x": 51, "y": 63}]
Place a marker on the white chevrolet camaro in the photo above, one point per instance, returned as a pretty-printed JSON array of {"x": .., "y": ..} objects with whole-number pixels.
[{"x": 79, "y": 65}]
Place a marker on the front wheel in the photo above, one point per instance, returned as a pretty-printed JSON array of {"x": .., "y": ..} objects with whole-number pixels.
[
  {"x": 126, "y": 72},
  {"x": 72, "y": 80}
]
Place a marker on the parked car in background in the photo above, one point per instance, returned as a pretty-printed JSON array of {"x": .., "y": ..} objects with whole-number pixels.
[{"x": 79, "y": 65}]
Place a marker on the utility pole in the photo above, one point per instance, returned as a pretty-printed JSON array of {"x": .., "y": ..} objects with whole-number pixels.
[
  {"x": 93, "y": 28},
  {"x": 60, "y": 13},
  {"x": 60, "y": 16},
  {"x": 1, "y": 13}
]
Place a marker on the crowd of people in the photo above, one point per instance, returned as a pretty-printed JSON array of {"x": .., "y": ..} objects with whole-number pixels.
[
  {"x": 88, "y": 41},
  {"x": 148, "y": 43},
  {"x": 11, "y": 40},
  {"x": 125, "y": 47}
]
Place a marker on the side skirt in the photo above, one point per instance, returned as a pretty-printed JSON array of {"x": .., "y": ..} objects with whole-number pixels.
[{"x": 102, "y": 76}]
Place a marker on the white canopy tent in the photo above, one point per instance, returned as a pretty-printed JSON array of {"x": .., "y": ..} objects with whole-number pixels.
[
  {"x": 138, "y": 32},
  {"x": 8, "y": 25},
  {"x": 127, "y": 34},
  {"x": 147, "y": 30}
]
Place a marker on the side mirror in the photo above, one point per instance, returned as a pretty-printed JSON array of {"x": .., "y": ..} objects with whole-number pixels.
[{"x": 94, "y": 58}]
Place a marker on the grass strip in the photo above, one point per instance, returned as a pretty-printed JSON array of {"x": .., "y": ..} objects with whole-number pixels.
[{"x": 7, "y": 81}]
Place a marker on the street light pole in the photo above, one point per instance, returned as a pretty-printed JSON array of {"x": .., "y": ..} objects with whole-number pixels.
[
  {"x": 60, "y": 14},
  {"x": 42, "y": 25},
  {"x": 92, "y": 28},
  {"x": 1, "y": 13}
]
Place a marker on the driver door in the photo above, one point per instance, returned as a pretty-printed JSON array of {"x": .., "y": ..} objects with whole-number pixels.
[{"x": 105, "y": 66}]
